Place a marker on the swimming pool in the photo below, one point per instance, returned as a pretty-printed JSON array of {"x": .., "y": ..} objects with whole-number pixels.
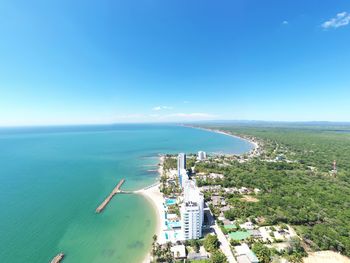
[
  {"x": 170, "y": 201},
  {"x": 176, "y": 224}
]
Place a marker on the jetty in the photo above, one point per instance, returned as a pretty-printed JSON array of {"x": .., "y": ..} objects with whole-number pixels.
[
  {"x": 58, "y": 258},
  {"x": 116, "y": 190}
]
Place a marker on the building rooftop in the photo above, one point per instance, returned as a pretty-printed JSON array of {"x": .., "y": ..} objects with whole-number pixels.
[
  {"x": 230, "y": 226},
  {"x": 244, "y": 250},
  {"x": 243, "y": 259},
  {"x": 239, "y": 235},
  {"x": 191, "y": 192},
  {"x": 196, "y": 256},
  {"x": 179, "y": 251}
]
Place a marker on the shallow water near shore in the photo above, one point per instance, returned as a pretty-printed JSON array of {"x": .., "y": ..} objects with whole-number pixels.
[{"x": 52, "y": 180}]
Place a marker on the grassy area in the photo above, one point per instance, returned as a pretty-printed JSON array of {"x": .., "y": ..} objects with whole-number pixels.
[{"x": 301, "y": 190}]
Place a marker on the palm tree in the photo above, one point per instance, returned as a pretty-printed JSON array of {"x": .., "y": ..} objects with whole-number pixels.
[{"x": 154, "y": 239}]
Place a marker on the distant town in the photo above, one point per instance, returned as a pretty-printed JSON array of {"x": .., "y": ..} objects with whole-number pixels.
[
  {"x": 284, "y": 201},
  {"x": 193, "y": 224}
]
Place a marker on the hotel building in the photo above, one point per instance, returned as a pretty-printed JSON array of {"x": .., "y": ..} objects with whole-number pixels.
[
  {"x": 192, "y": 212},
  {"x": 201, "y": 156},
  {"x": 181, "y": 166}
]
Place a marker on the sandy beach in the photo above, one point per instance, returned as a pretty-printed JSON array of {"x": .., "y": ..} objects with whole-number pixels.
[
  {"x": 155, "y": 197},
  {"x": 253, "y": 142}
]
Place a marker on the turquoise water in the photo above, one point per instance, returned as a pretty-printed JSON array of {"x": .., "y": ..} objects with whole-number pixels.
[
  {"x": 170, "y": 201},
  {"x": 52, "y": 180}
]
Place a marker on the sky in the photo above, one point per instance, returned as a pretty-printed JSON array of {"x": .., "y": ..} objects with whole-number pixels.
[{"x": 88, "y": 62}]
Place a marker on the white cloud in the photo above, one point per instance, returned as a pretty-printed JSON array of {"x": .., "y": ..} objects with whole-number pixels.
[
  {"x": 341, "y": 19},
  {"x": 158, "y": 108}
]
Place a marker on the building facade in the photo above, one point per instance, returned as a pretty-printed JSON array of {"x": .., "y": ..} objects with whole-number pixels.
[
  {"x": 201, "y": 156},
  {"x": 181, "y": 166},
  {"x": 192, "y": 212},
  {"x": 183, "y": 178}
]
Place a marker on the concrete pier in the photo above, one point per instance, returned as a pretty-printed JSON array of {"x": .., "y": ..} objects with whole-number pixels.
[
  {"x": 58, "y": 258},
  {"x": 109, "y": 198}
]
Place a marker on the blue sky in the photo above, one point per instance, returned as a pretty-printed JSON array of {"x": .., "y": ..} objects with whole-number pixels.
[{"x": 73, "y": 62}]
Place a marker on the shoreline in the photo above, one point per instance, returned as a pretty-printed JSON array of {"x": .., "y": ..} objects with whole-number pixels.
[
  {"x": 153, "y": 195},
  {"x": 255, "y": 144}
]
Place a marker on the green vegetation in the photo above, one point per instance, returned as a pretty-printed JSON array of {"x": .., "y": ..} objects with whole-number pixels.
[
  {"x": 211, "y": 243},
  {"x": 174, "y": 209},
  {"x": 194, "y": 243},
  {"x": 170, "y": 162},
  {"x": 262, "y": 252},
  {"x": 169, "y": 189},
  {"x": 218, "y": 257},
  {"x": 161, "y": 253},
  {"x": 299, "y": 189},
  {"x": 315, "y": 146},
  {"x": 295, "y": 252}
]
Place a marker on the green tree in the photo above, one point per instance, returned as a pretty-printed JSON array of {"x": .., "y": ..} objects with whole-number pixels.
[
  {"x": 218, "y": 257},
  {"x": 262, "y": 252},
  {"x": 194, "y": 244},
  {"x": 211, "y": 243},
  {"x": 155, "y": 238},
  {"x": 301, "y": 190}
]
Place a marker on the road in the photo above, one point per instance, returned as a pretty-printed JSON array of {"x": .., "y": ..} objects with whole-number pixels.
[{"x": 225, "y": 245}]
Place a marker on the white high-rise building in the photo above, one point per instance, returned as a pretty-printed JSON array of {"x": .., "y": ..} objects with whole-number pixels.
[
  {"x": 192, "y": 212},
  {"x": 181, "y": 166},
  {"x": 183, "y": 178},
  {"x": 181, "y": 161},
  {"x": 201, "y": 156}
]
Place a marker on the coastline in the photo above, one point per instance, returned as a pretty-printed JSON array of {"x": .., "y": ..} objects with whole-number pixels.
[
  {"x": 255, "y": 143},
  {"x": 155, "y": 198}
]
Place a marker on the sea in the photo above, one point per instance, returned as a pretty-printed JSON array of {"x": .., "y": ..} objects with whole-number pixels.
[{"x": 53, "y": 178}]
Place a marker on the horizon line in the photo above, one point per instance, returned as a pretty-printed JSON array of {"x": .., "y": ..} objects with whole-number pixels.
[{"x": 226, "y": 121}]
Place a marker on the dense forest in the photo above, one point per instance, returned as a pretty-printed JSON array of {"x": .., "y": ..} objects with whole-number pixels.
[{"x": 301, "y": 189}]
